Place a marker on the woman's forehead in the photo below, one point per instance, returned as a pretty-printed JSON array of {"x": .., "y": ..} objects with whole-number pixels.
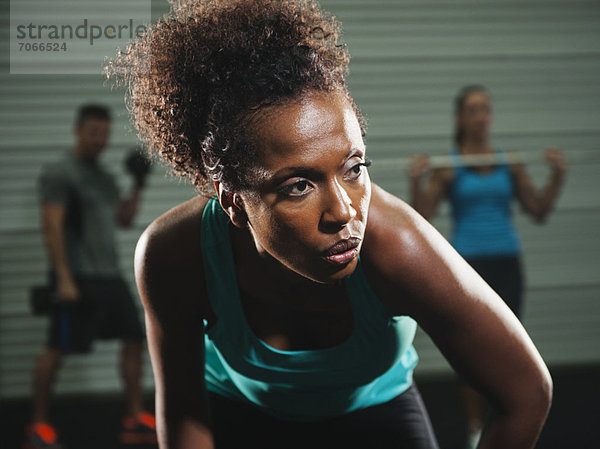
[
  {"x": 312, "y": 124},
  {"x": 476, "y": 97}
]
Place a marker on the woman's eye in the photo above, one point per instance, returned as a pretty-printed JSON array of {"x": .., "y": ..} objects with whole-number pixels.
[
  {"x": 298, "y": 188},
  {"x": 356, "y": 170}
]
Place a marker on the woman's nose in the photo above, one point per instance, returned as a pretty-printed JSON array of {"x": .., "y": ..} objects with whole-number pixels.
[{"x": 338, "y": 210}]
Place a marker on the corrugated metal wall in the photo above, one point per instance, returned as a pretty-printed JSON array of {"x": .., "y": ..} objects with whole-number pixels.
[{"x": 541, "y": 60}]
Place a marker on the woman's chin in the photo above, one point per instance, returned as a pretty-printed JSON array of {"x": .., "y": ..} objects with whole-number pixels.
[{"x": 333, "y": 273}]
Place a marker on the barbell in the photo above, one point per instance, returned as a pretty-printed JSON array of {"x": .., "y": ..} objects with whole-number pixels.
[{"x": 509, "y": 157}]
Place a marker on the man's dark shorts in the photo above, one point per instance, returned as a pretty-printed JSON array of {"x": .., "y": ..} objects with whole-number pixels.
[{"x": 106, "y": 310}]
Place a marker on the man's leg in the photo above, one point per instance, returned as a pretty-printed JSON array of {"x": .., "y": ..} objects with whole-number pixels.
[
  {"x": 139, "y": 427},
  {"x": 40, "y": 434},
  {"x": 44, "y": 375},
  {"x": 131, "y": 372}
]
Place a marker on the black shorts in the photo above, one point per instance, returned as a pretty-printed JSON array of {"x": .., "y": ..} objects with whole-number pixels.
[
  {"x": 402, "y": 423},
  {"x": 106, "y": 310},
  {"x": 505, "y": 276}
]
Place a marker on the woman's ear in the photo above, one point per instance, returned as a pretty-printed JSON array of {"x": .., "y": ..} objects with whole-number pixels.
[{"x": 232, "y": 204}]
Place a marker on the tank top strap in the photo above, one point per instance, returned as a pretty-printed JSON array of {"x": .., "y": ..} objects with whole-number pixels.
[
  {"x": 501, "y": 156},
  {"x": 367, "y": 307},
  {"x": 219, "y": 266},
  {"x": 458, "y": 165},
  {"x": 222, "y": 285}
]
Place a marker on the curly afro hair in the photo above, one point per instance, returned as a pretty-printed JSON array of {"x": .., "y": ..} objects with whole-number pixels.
[{"x": 196, "y": 78}]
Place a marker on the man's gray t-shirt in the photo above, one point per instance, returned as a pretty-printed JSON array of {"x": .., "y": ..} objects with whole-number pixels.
[{"x": 91, "y": 196}]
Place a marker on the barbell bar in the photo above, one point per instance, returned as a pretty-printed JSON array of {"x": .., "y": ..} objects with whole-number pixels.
[{"x": 509, "y": 157}]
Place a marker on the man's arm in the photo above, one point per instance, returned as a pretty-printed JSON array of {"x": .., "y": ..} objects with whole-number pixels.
[
  {"x": 138, "y": 166},
  {"x": 128, "y": 207},
  {"x": 53, "y": 218}
]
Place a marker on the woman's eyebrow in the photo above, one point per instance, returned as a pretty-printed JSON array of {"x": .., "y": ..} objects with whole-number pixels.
[
  {"x": 309, "y": 172},
  {"x": 355, "y": 151},
  {"x": 287, "y": 172}
]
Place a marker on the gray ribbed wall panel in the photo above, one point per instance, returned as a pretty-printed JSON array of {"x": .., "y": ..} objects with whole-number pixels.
[{"x": 541, "y": 59}]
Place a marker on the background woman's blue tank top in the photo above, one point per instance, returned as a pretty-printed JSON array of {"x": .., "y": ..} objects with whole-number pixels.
[
  {"x": 373, "y": 366},
  {"x": 481, "y": 211}
]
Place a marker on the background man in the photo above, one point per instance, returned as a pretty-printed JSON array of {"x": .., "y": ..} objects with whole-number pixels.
[{"x": 80, "y": 210}]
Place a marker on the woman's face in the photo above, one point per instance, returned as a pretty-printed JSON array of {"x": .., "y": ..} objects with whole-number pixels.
[
  {"x": 475, "y": 115},
  {"x": 308, "y": 207}
]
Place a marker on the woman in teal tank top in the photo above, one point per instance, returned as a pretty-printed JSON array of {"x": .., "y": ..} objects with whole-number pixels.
[
  {"x": 481, "y": 203},
  {"x": 282, "y": 302}
]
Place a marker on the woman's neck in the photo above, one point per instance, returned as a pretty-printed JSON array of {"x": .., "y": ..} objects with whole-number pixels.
[
  {"x": 475, "y": 146},
  {"x": 260, "y": 274}
]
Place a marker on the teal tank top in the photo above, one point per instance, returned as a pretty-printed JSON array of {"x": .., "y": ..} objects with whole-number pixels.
[
  {"x": 371, "y": 367},
  {"x": 481, "y": 212}
]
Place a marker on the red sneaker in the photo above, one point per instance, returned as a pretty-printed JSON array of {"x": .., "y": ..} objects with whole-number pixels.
[
  {"x": 139, "y": 430},
  {"x": 41, "y": 435}
]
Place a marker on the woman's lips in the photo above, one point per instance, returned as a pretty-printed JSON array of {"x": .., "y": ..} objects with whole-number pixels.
[
  {"x": 342, "y": 258},
  {"x": 343, "y": 251}
]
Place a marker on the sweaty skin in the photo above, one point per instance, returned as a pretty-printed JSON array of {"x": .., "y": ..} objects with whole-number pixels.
[{"x": 315, "y": 193}]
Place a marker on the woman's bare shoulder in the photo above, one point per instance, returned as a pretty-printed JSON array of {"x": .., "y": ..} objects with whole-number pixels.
[
  {"x": 176, "y": 226},
  {"x": 403, "y": 253},
  {"x": 168, "y": 259},
  {"x": 390, "y": 219}
]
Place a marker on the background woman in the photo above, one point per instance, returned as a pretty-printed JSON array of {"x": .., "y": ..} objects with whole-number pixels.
[
  {"x": 481, "y": 198},
  {"x": 280, "y": 313}
]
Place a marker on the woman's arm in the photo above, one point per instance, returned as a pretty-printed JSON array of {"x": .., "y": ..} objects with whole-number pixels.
[
  {"x": 426, "y": 199},
  {"x": 169, "y": 277},
  {"x": 540, "y": 203},
  {"x": 416, "y": 272}
]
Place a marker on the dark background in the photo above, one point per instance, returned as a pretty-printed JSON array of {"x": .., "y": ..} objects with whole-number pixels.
[{"x": 93, "y": 422}]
